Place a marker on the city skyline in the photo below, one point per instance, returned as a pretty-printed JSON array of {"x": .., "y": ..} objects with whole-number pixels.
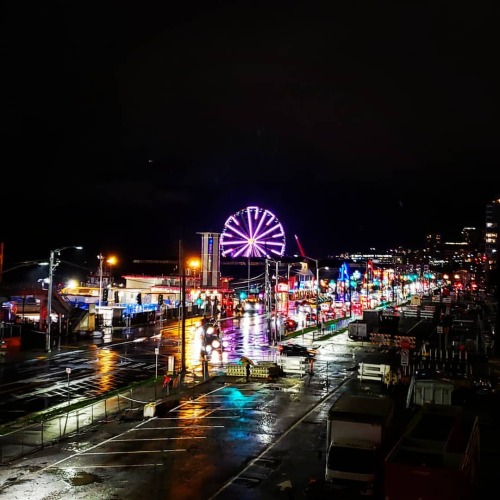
[{"x": 81, "y": 261}]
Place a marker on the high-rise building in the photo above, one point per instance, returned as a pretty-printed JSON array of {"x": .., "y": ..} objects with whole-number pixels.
[{"x": 491, "y": 240}]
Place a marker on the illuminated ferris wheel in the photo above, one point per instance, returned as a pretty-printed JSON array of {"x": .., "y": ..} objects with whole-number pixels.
[{"x": 252, "y": 232}]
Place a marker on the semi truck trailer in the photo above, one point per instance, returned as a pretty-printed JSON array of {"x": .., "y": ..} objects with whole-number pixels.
[
  {"x": 437, "y": 457},
  {"x": 358, "y": 432}
]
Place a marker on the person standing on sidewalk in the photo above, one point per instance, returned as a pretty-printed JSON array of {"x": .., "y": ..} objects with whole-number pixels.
[{"x": 166, "y": 382}]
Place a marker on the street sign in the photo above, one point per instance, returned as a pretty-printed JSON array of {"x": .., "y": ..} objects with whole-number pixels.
[
  {"x": 170, "y": 364},
  {"x": 68, "y": 370},
  {"x": 439, "y": 329},
  {"x": 157, "y": 351},
  {"x": 405, "y": 357},
  {"x": 405, "y": 344}
]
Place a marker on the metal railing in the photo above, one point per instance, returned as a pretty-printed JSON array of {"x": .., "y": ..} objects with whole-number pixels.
[{"x": 32, "y": 437}]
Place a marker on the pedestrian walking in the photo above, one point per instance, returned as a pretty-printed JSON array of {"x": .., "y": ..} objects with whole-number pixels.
[{"x": 247, "y": 371}]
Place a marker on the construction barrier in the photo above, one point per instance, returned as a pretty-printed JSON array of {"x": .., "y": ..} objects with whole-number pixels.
[
  {"x": 406, "y": 341},
  {"x": 294, "y": 365},
  {"x": 385, "y": 339},
  {"x": 380, "y": 339},
  {"x": 264, "y": 369}
]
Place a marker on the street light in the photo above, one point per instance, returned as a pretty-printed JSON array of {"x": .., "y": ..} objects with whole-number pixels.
[
  {"x": 27, "y": 263},
  {"x": 182, "y": 275},
  {"x": 194, "y": 266},
  {"x": 268, "y": 291},
  {"x": 111, "y": 261},
  {"x": 101, "y": 259},
  {"x": 52, "y": 266}
]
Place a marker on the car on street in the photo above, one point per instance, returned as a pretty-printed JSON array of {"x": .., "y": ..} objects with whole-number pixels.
[
  {"x": 290, "y": 325},
  {"x": 329, "y": 314},
  {"x": 252, "y": 306},
  {"x": 289, "y": 349},
  {"x": 311, "y": 317},
  {"x": 211, "y": 326}
]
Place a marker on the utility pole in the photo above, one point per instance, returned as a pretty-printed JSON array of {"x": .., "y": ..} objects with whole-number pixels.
[
  {"x": 267, "y": 288},
  {"x": 49, "y": 299},
  {"x": 182, "y": 272},
  {"x": 52, "y": 265},
  {"x": 101, "y": 258}
]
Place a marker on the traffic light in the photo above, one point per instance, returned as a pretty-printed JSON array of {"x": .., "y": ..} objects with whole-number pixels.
[
  {"x": 160, "y": 299},
  {"x": 117, "y": 297},
  {"x": 105, "y": 292},
  {"x": 138, "y": 299}
]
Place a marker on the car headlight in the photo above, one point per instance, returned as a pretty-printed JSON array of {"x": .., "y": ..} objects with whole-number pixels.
[{"x": 215, "y": 344}]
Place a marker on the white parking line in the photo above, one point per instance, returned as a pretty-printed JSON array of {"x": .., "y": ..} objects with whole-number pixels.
[
  {"x": 175, "y": 428},
  {"x": 158, "y": 439}
]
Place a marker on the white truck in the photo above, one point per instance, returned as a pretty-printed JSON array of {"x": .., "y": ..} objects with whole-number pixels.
[
  {"x": 358, "y": 429},
  {"x": 359, "y": 330}
]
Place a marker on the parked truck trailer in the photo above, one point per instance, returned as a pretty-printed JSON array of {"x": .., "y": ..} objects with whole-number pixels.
[
  {"x": 360, "y": 330},
  {"x": 437, "y": 457},
  {"x": 358, "y": 431}
]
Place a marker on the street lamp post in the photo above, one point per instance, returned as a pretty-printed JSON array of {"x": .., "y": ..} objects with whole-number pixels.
[
  {"x": 182, "y": 275},
  {"x": 101, "y": 260},
  {"x": 267, "y": 292},
  {"x": 110, "y": 261},
  {"x": 52, "y": 265},
  {"x": 269, "y": 295},
  {"x": 49, "y": 300}
]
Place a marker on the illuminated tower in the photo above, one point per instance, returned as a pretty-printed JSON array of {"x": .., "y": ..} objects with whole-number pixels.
[{"x": 210, "y": 260}]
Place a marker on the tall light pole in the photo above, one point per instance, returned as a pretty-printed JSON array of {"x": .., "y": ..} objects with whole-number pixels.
[
  {"x": 101, "y": 259},
  {"x": 269, "y": 295},
  {"x": 52, "y": 265},
  {"x": 111, "y": 261},
  {"x": 182, "y": 274}
]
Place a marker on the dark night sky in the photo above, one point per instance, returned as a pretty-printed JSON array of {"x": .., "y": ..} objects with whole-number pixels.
[{"x": 130, "y": 126}]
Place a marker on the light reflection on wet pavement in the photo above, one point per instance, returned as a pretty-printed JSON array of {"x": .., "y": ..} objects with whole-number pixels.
[{"x": 98, "y": 365}]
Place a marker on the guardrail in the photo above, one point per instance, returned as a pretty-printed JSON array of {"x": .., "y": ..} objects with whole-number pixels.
[
  {"x": 34, "y": 436},
  {"x": 295, "y": 365},
  {"x": 377, "y": 372},
  {"x": 415, "y": 312}
]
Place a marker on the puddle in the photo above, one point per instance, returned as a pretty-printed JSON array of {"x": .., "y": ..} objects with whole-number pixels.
[
  {"x": 80, "y": 478},
  {"x": 76, "y": 446}
]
